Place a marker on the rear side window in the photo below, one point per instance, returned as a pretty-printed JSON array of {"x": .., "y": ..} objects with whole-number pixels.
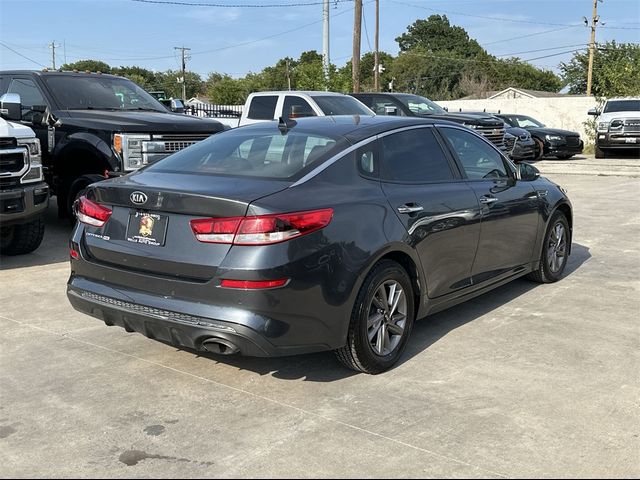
[
  {"x": 479, "y": 159},
  {"x": 252, "y": 154},
  {"x": 414, "y": 156},
  {"x": 263, "y": 107}
]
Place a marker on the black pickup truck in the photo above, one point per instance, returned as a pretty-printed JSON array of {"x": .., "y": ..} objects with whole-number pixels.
[
  {"x": 409, "y": 105},
  {"x": 92, "y": 126}
]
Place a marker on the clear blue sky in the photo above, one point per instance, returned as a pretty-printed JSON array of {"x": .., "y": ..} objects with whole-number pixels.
[{"x": 238, "y": 40}]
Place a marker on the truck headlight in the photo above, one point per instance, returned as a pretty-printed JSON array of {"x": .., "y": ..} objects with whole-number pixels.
[
  {"x": 129, "y": 149},
  {"x": 603, "y": 126},
  {"x": 34, "y": 174}
]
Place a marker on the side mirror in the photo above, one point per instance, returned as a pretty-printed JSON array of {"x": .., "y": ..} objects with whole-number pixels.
[
  {"x": 527, "y": 172},
  {"x": 177, "y": 106},
  {"x": 446, "y": 109},
  {"x": 594, "y": 111},
  {"x": 11, "y": 106},
  {"x": 390, "y": 110}
]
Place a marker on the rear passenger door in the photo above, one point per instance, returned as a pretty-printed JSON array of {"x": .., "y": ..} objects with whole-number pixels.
[
  {"x": 437, "y": 207},
  {"x": 510, "y": 209}
]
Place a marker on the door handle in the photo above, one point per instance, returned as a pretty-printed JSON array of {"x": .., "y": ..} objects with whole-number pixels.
[
  {"x": 410, "y": 208},
  {"x": 488, "y": 200}
]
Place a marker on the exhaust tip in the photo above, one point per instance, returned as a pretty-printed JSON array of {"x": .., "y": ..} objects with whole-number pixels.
[{"x": 220, "y": 346}]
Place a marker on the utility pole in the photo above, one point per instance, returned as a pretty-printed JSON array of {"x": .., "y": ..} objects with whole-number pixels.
[
  {"x": 288, "y": 75},
  {"x": 53, "y": 46},
  {"x": 592, "y": 44},
  {"x": 355, "y": 60},
  {"x": 376, "y": 55},
  {"x": 325, "y": 42},
  {"x": 184, "y": 64}
]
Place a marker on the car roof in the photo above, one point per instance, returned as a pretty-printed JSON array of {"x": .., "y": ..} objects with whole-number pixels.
[
  {"x": 299, "y": 92},
  {"x": 353, "y": 127},
  {"x": 57, "y": 72}
]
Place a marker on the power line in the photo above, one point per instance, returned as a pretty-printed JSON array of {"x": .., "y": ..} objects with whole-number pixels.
[
  {"x": 21, "y": 55},
  {"x": 530, "y": 35},
  {"x": 240, "y": 5},
  {"x": 541, "y": 50}
]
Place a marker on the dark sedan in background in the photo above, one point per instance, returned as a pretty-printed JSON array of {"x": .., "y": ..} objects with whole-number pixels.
[
  {"x": 562, "y": 144},
  {"x": 329, "y": 233}
]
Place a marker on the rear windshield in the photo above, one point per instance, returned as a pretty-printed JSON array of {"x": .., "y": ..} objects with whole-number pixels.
[
  {"x": 622, "y": 106},
  {"x": 341, "y": 105},
  {"x": 249, "y": 153},
  {"x": 95, "y": 92},
  {"x": 421, "y": 105}
]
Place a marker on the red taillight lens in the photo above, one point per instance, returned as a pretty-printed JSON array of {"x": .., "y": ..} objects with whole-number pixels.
[
  {"x": 92, "y": 213},
  {"x": 253, "y": 284},
  {"x": 260, "y": 230}
]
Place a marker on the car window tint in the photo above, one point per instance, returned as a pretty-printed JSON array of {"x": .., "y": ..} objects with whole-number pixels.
[
  {"x": 263, "y": 107},
  {"x": 270, "y": 155},
  {"x": 29, "y": 92},
  {"x": 295, "y": 107},
  {"x": 414, "y": 156},
  {"x": 479, "y": 159},
  {"x": 381, "y": 103}
]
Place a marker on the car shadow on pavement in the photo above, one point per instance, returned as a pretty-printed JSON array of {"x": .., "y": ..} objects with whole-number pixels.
[{"x": 324, "y": 367}]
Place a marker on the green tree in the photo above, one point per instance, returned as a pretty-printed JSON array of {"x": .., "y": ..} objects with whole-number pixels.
[
  {"x": 169, "y": 82},
  {"x": 225, "y": 90},
  {"x": 87, "y": 65},
  {"x": 143, "y": 77},
  {"x": 616, "y": 70}
]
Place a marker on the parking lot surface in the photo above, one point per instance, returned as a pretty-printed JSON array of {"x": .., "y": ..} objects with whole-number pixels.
[{"x": 526, "y": 381}]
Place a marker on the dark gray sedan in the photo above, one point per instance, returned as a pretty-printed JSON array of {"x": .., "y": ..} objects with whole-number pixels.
[{"x": 331, "y": 233}]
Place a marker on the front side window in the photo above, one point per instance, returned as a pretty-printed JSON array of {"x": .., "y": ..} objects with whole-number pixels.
[
  {"x": 259, "y": 154},
  {"x": 263, "y": 107},
  {"x": 479, "y": 159},
  {"x": 29, "y": 92},
  {"x": 296, "y": 107},
  {"x": 414, "y": 156}
]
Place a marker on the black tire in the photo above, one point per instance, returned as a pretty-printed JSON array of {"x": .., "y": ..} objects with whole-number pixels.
[
  {"x": 539, "y": 149},
  {"x": 359, "y": 354},
  {"x": 599, "y": 152},
  {"x": 564, "y": 157},
  {"x": 21, "y": 239},
  {"x": 546, "y": 273}
]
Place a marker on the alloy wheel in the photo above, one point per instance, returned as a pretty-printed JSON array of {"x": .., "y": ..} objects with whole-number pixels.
[
  {"x": 387, "y": 317},
  {"x": 557, "y": 248}
]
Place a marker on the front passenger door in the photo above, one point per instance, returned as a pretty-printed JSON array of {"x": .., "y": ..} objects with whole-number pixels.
[{"x": 510, "y": 208}]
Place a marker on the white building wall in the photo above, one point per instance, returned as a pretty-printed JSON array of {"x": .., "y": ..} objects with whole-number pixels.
[{"x": 567, "y": 113}]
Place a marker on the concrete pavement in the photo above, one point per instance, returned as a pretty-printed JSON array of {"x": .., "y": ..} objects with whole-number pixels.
[{"x": 527, "y": 381}]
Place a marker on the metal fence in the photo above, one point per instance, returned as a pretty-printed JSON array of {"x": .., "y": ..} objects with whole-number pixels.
[{"x": 214, "y": 111}]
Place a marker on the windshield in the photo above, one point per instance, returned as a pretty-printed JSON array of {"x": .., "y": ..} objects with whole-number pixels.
[
  {"x": 420, "y": 105},
  {"x": 524, "y": 121},
  {"x": 341, "y": 105},
  {"x": 94, "y": 92},
  {"x": 622, "y": 106},
  {"x": 250, "y": 153}
]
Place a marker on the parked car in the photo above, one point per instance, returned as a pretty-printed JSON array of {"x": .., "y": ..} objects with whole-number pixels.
[
  {"x": 562, "y": 144},
  {"x": 618, "y": 126},
  {"x": 24, "y": 196},
  {"x": 310, "y": 235},
  {"x": 410, "y": 105},
  {"x": 93, "y": 126}
]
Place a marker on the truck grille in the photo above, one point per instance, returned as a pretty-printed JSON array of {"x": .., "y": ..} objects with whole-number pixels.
[
  {"x": 631, "y": 125},
  {"x": 8, "y": 143},
  {"x": 573, "y": 141},
  {"x": 494, "y": 134},
  {"x": 163, "y": 145},
  {"x": 13, "y": 161}
]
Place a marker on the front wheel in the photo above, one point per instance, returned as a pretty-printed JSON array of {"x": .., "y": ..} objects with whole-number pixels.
[
  {"x": 21, "y": 239},
  {"x": 555, "y": 251},
  {"x": 381, "y": 320}
]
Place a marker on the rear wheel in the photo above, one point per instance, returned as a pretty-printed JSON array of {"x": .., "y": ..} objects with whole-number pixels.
[
  {"x": 21, "y": 239},
  {"x": 539, "y": 149},
  {"x": 555, "y": 251},
  {"x": 381, "y": 321}
]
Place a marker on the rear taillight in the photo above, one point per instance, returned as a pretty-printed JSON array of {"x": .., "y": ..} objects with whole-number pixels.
[
  {"x": 262, "y": 229},
  {"x": 253, "y": 284},
  {"x": 91, "y": 213}
]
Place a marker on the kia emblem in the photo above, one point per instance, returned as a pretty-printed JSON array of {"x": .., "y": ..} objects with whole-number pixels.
[{"x": 138, "y": 198}]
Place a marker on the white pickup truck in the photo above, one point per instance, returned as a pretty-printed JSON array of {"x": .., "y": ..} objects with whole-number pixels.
[
  {"x": 617, "y": 125},
  {"x": 24, "y": 195},
  {"x": 268, "y": 106}
]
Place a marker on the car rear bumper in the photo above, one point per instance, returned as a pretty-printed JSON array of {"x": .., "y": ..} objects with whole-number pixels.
[{"x": 191, "y": 324}]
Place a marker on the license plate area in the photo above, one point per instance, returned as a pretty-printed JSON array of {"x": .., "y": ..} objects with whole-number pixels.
[{"x": 147, "y": 228}]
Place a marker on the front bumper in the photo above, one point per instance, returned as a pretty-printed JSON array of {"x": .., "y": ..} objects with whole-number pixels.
[
  {"x": 562, "y": 147},
  {"x": 21, "y": 204},
  {"x": 623, "y": 141},
  {"x": 523, "y": 151}
]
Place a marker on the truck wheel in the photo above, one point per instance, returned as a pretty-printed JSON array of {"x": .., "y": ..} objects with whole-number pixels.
[
  {"x": 20, "y": 239},
  {"x": 76, "y": 190},
  {"x": 539, "y": 149},
  {"x": 599, "y": 152}
]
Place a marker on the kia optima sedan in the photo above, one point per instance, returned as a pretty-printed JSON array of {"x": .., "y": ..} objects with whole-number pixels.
[{"x": 331, "y": 233}]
